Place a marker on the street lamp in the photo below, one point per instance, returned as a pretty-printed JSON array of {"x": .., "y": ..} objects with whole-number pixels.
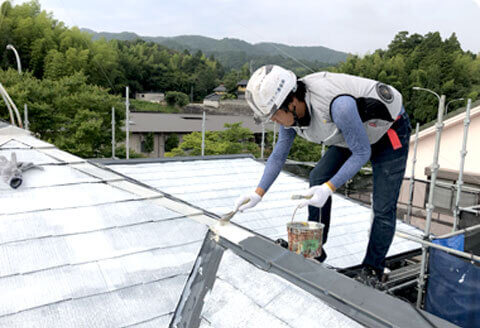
[
  {"x": 446, "y": 107},
  {"x": 428, "y": 90},
  {"x": 19, "y": 64}
]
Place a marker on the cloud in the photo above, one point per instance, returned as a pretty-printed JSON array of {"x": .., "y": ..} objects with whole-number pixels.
[{"x": 477, "y": 2}]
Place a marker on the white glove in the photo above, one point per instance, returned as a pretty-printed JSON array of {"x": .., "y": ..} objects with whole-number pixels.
[
  {"x": 253, "y": 199},
  {"x": 319, "y": 195}
]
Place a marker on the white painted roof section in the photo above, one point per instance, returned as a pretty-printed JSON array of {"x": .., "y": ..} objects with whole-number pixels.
[
  {"x": 82, "y": 247},
  {"x": 248, "y": 297},
  {"x": 215, "y": 184}
]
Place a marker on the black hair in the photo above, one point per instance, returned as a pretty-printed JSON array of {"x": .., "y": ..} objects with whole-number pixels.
[{"x": 299, "y": 93}]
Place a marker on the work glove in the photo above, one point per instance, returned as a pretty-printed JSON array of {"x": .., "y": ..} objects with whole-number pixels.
[
  {"x": 12, "y": 171},
  {"x": 318, "y": 194},
  {"x": 253, "y": 199}
]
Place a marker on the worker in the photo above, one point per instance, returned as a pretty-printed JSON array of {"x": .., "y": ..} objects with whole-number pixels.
[{"x": 359, "y": 120}]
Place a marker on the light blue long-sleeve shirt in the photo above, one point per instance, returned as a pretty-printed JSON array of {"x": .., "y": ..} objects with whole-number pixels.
[{"x": 345, "y": 116}]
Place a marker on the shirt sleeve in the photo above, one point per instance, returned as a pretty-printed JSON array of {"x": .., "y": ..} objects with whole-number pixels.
[
  {"x": 278, "y": 157},
  {"x": 345, "y": 116}
]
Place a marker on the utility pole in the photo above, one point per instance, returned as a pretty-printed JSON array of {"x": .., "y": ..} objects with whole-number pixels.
[
  {"x": 127, "y": 124},
  {"x": 25, "y": 112},
  {"x": 263, "y": 140},
  {"x": 203, "y": 134},
  {"x": 113, "y": 132}
]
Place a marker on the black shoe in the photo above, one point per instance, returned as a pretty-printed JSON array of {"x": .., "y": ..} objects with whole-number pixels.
[
  {"x": 370, "y": 277},
  {"x": 322, "y": 257},
  {"x": 282, "y": 243}
]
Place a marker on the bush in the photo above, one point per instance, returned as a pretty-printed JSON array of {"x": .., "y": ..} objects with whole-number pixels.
[{"x": 176, "y": 98}]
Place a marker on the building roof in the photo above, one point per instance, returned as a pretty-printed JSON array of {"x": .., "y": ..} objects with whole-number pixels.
[
  {"x": 242, "y": 83},
  {"x": 450, "y": 120},
  {"x": 84, "y": 246},
  {"x": 220, "y": 88},
  {"x": 186, "y": 123},
  {"x": 213, "y": 97},
  {"x": 214, "y": 185}
]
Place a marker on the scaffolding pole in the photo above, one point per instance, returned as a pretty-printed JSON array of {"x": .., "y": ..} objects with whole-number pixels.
[
  {"x": 430, "y": 207},
  {"x": 463, "y": 154},
  {"x": 412, "y": 176},
  {"x": 113, "y": 132},
  {"x": 127, "y": 124},
  {"x": 426, "y": 244}
]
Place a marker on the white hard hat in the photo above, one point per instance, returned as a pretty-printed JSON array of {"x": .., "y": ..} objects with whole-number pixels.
[{"x": 267, "y": 89}]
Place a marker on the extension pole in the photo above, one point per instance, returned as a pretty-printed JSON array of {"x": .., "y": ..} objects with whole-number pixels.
[
  {"x": 113, "y": 132},
  {"x": 127, "y": 124},
  {"x": 463, "y": 154},
  {"x": 25, "y": 112},
  {"x": 430, "y": 207},
  {"x": 412, "y": 176},
  {"x": 203, "y": 133}
]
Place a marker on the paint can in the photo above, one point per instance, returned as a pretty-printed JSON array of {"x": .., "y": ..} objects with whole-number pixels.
[{"x": 305, "y": 237}]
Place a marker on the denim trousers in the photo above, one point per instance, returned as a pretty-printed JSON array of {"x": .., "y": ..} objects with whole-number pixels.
[{"x": 388, "y": 167}]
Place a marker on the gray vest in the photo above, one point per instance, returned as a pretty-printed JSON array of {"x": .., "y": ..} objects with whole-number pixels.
[{"x": 378, "y": 105}]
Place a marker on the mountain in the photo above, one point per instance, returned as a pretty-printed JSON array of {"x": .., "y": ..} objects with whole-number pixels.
[{"x": 233, "y": 53}]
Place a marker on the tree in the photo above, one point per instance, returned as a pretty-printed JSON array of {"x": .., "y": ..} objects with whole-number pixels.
[
  {"x": 67, "y": 112},
  {"x": 235, "y": 139}
]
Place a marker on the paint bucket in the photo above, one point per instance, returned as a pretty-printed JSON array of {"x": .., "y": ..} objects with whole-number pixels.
[{"x": 305, "y": 237}]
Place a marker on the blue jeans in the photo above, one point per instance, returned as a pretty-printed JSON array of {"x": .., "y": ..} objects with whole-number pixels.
[{"x": 388, "y": 170}]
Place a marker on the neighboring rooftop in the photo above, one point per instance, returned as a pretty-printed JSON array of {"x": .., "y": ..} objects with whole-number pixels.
[{"x": 186, "y": 123}]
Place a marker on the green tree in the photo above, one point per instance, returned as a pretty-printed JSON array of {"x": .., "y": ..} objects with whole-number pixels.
[{"x": 235, "y": 139}]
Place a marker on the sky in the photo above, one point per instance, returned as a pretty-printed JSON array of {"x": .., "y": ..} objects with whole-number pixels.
[{"x": 354, "y": 26}]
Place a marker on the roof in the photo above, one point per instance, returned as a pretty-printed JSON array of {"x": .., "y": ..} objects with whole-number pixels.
[
  {"x": 186, "y": 123},
  {"x": 242, "y": 83},
  {"x": 220, "y": 88},
  {"x": 450, "y": 120},
  {"x": 215, "y": 184},
  {"x": 213, "y": 97},
  {"x": 84, "y": 246}
]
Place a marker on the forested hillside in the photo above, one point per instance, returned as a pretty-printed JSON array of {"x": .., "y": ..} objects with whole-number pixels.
[{"x": 234, "y": 53}]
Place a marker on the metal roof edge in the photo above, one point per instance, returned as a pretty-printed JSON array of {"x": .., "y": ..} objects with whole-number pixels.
[{"x": 109, "y": 161}]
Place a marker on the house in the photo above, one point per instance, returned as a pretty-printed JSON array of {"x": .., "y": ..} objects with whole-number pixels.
[
  {"x": 241, "y": 88},
  {"x": 154, "y": 97},
  {"x": 444, "y": 199},
  {"x": 163, "y": 125},
  {"x": 86, "y": 246},
  {"x": 220, "y": 90},
  {"x": 450, "y": 146}
]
